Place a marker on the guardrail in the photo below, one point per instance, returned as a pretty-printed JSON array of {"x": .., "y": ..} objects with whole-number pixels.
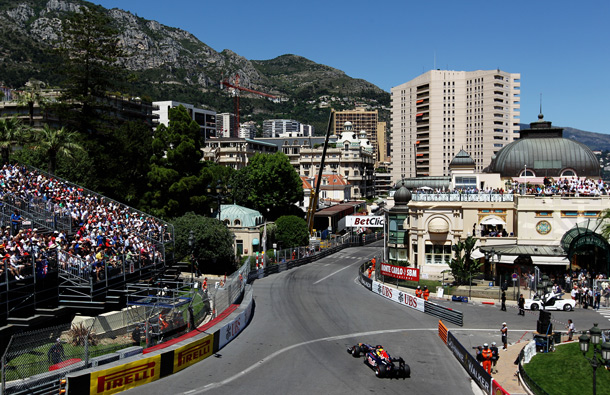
[
  {"x": 444, "y": 313},
  {"x": 413, "y": 302},
  {"x": 484, "y": 380}
]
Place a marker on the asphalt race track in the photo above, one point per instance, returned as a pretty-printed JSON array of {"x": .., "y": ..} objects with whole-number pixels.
[{"x": 304, "y": 320}]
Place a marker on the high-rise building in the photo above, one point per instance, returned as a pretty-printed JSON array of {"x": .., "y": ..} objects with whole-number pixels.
[
  {"x": 277, "y": 127},
  {"x": 225, "y": 125},
  {"x": 440, "y": 112},
  {"x": 205, "y": 118},
  {"x": 361, "y": 119}
]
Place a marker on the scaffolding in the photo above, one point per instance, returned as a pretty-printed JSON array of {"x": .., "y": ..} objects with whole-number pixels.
[{"x": 164, "y": 311}]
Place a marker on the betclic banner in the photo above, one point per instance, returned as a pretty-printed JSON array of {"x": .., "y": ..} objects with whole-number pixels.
[{"x": 364, "y": 221}]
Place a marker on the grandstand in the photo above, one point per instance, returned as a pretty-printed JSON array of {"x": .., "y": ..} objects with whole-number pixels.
[{"x": 66, "y": 249}]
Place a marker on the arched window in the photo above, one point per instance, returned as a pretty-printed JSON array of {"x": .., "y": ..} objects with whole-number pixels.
[
  {"x": 237, "y": 223},
  {"x": 527, "y": 173},
  {"x": 568, "y": 173}
]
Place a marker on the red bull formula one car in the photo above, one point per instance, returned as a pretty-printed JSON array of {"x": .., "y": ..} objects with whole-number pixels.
[{"x": 380, "y": 361}]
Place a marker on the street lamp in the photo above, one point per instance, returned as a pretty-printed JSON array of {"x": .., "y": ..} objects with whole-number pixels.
[
  {"x": 222, "y": 192},
  {"x": 192, "y": 251},
  {"x": 604, "y": 350}
]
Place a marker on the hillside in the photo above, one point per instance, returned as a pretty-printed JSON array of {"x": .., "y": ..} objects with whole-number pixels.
[{"x": 170, "y": 63}]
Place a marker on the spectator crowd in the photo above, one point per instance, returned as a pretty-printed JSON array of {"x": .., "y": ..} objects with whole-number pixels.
[{"x": 104, "y": 237}]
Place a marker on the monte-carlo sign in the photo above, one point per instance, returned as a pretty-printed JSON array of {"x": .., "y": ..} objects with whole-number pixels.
[{"x": 364, "y": 221}]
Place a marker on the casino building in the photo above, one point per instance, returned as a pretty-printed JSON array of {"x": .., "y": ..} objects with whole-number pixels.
[{"x": 517, "y": 229}]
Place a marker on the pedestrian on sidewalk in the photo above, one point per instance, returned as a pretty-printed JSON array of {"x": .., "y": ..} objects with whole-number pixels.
[
  {"x": 504, "y": 332},
  {"x": 521, "y": 305},
  {"x": 503, "y": 308},
  {"x": 571, "y": 329}
]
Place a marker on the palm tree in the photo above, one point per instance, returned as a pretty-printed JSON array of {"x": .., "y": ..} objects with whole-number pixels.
[
  {"x": 31, "y": 96},
  {"x": 54, "y": 142},
  {"x": 12, "y": 133},
  {"x": 605, "y": 218}
]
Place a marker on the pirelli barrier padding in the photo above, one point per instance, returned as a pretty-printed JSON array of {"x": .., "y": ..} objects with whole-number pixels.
[
  {"x": 141, "y": 369},
  {"x": 410, "y": 301}
]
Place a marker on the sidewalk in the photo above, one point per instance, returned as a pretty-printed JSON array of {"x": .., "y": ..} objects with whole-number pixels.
[{"x": 507, "y": 369}]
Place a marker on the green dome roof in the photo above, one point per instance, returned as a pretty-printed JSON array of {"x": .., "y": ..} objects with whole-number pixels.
[
  {"x": 246, "y": 217},
  {"x": 462, "y": 159},
  {"x": 546, "y": 153}
]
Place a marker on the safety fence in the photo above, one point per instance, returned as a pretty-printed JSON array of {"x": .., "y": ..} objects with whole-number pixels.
[
  {"x": 525, "y": 356},
  {"x": 483, "y": 379},
  {"x": 36, "y": 359},
  {"x": 408, "y": 300},
  {"x": 293, "y": 257}
]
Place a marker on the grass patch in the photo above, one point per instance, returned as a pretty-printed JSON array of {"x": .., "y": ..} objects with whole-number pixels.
[
  {"x": 566, "y": 371},
  {"x": 431, "y": 284}
]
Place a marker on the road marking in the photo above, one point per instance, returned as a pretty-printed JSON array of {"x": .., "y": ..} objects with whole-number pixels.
[
  {"x": 258, "y": 364},
  {"x": 333, "y": 273}
]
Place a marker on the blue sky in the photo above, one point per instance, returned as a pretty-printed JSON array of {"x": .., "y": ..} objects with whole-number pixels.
[{"x": 560, "y": 48}]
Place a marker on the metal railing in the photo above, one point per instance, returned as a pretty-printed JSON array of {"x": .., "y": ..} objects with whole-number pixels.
[
  {"x": 531, "y": 384},
  {"x": 462, "y": 197},
  {"x": 37, "y": 359}
]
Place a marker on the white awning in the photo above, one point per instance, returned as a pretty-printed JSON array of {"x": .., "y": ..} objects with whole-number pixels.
[
  {"x": 476, "y": 254},
  {"x": 492, "y": 220},
  {"x": 510, "y": 259},
  {"x": 550, "y": 260}
]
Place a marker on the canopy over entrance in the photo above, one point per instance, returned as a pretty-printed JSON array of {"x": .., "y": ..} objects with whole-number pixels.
[{"x": 585, "y": 239}]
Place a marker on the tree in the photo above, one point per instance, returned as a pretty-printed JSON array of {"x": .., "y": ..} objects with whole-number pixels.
[
  {"x": 89, "y": 48},
  {"x": 55, "y": 142},
  {"x": 462, "y": 266},
  {"x": 605, "y": 219},
  {"x": 175, "y": 183},
  {"x": 12, "y": 133},
  {"x": 268, "y": 184},
  {"x": 291, "y": 231},
  {"x": 32, "y": 95},
  {"x": 213, "y": 249}
]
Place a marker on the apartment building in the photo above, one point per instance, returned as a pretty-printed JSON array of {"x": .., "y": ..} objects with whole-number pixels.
[
  {"x": 235, "y": 152},
  {"x": 206, "y": 119},
  {"x": 350, "y": 157},
  {"x": 278, "y": 127},
  {"x": 440, "y": 112},
  {"x": 361, "y": 119},
  {"x": 225, "y": 125}
]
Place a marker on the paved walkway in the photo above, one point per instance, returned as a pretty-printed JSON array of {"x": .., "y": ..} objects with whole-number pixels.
[{"x": 506, "y": 369}]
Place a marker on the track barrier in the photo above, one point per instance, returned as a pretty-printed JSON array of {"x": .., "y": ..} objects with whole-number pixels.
[
  {"x": 408, "y": 300},
  {"x": 484, "y": 380}
]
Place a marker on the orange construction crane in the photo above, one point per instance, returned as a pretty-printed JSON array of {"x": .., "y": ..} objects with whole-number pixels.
[{"x": 236, "y": 88}]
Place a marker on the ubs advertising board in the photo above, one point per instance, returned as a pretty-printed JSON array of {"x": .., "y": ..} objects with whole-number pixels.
[
  {"x": 124, "y": 377},
  {"x": 397, "y": 296},
  {"x": 232, "y": 329}
]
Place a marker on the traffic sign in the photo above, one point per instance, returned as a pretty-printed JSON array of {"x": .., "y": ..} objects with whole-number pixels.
[{"x": 515, "y": 276}]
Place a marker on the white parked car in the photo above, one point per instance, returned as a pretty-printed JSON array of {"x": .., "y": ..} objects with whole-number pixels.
[{"x": 550, "y": 302}]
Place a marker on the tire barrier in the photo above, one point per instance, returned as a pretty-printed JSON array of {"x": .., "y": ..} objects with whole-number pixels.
[
  {"x": 413, "y": 302},
  {"x": 137, "y": 370}
]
